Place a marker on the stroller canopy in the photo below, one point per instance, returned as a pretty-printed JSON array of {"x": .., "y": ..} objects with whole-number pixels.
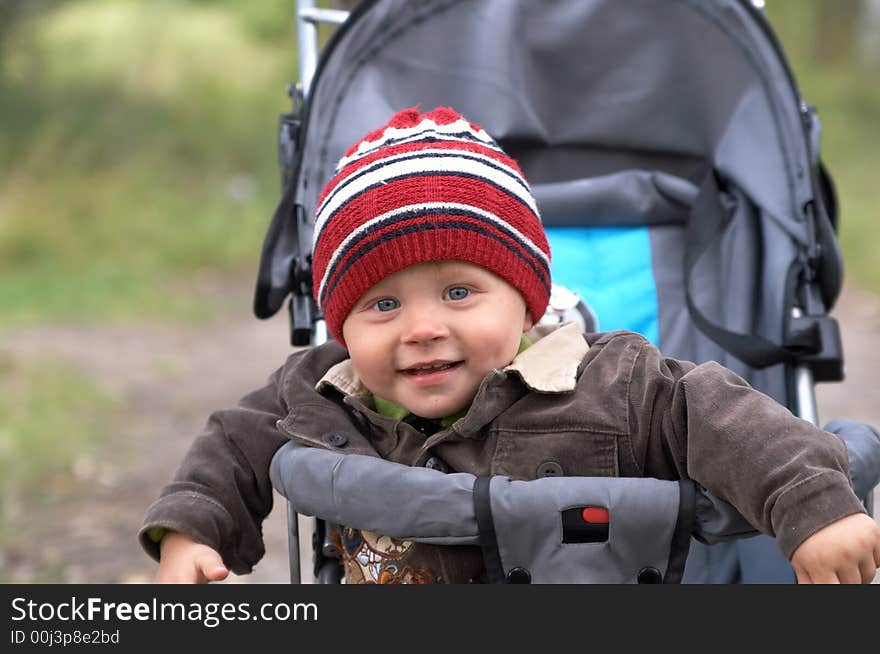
[{"x": 576, "y": 89}]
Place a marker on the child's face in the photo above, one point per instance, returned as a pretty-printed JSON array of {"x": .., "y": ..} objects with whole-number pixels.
[{"x": 425, "y": 337}]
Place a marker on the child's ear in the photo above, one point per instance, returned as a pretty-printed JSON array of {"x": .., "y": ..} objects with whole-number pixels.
[{"x": 528, "y": 323}]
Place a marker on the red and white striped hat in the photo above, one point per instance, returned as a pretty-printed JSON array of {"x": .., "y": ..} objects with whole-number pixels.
[{"x": 425, "y": 187}]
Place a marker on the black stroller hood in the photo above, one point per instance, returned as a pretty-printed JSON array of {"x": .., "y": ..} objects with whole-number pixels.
[{"x": 615, "y": 109}]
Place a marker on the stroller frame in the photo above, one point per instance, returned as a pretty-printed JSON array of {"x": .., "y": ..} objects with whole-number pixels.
[{"x": 821, "y": 359}]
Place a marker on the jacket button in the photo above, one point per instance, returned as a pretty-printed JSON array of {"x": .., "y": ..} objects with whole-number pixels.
[
  {"x": 335, "y": 439},
  {"x": 549, "y": 469},
  {"x": 649, "y": 575},
  {"x": 519, "y": 576}
]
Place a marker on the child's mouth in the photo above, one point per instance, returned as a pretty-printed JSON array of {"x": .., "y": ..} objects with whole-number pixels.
[{"x": 433, "y": 368}]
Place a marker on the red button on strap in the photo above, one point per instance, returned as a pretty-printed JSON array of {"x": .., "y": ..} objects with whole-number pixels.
[{"x": 595, "y": 515}]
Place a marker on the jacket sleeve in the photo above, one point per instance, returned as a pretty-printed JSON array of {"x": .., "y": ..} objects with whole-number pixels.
[
  {"x": 221, "y": 493},
  {"x": 785, "y": 476}
]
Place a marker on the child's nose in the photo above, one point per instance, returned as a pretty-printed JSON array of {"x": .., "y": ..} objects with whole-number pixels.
[{"x": 424, "y": 326}]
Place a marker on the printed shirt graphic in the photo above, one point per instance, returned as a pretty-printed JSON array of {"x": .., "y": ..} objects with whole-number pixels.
[{"x": 369, "y": 558}]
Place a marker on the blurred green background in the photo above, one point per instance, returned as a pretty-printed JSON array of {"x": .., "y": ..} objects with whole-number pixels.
[
  {"x": 137, "y": 150},
  {"x": 137, "y": 164}
]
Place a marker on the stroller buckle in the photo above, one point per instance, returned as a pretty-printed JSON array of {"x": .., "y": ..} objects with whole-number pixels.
[{"x": 818, "y": 343}]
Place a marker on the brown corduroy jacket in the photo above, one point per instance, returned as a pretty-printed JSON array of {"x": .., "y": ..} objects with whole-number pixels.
[{"x": 602, "y": 405}]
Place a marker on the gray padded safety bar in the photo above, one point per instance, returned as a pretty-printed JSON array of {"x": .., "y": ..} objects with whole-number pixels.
[
  {"x": 863, "y": 448},
  {"x": 429, "y": 506},
  {"x": 641, "y": 531},
  {"x": 377, "y": 495}
]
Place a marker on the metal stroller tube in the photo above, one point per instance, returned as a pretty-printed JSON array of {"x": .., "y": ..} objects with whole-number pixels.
[
  {"x": 806, "y": 405},
  {"x": 805, "y": 393},
  {"x": 293, "y": 543},
  {"x": 307, "y": 17}
]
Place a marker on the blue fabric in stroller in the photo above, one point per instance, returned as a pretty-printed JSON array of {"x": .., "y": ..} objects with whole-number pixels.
[{"x": 674, "y": 162}]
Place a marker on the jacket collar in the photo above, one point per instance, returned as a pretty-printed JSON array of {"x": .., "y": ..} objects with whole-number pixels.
[{"x": 549, "y": 366}]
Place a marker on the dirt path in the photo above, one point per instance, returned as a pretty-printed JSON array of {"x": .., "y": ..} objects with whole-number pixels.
[
  {"x": 168, "y": 378},
  {"x": 175, "y": 375}
]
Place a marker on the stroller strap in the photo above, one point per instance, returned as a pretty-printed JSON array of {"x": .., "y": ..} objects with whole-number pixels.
[{"x": 708, "y": 219}]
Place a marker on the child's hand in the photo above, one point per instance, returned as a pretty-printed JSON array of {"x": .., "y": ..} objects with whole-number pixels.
[
  {"x": 845, "y": 552},
  {"x": 184, "y": 561}
]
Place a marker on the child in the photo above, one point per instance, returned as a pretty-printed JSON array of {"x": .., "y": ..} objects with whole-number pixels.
[{"x": 431, "y": 267}]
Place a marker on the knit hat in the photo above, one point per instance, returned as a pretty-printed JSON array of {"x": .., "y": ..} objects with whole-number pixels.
[{"x": 425, "y": 187}]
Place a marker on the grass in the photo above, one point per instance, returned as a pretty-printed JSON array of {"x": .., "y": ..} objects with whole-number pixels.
[
  {"x": 136, "y": 160},
  {"x": 137, "y": 149},
  {"x": 52, "y": 416}
]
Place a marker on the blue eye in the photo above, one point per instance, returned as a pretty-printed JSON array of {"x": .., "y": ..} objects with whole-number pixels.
[
  {"x": 457, "y": 293},
  {"x": 387, "y": 304}
]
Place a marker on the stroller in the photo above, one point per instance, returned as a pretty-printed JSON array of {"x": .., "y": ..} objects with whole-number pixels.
[{"x": 674, "y": 163}]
